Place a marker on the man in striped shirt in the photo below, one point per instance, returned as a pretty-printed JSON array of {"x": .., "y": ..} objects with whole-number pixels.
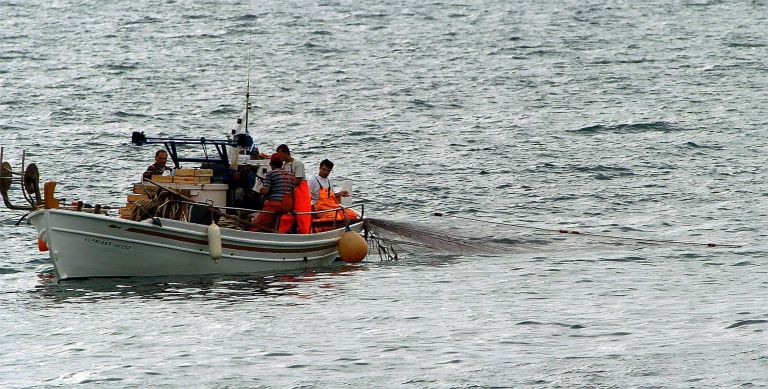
[
  {"x": 157, "y": 168},
  {"x": 278, "y": 194}
]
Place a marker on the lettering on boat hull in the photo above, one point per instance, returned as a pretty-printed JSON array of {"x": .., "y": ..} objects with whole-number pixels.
[{"x": 107, "y": 243}]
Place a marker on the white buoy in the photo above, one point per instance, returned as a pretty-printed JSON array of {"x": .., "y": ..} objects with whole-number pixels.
[{"x": 214, "y": 241}]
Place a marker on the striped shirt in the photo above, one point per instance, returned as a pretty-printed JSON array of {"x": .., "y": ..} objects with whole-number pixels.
[
  {"x": 279, "y": 182},
  {"x": 154, "y": 170}
]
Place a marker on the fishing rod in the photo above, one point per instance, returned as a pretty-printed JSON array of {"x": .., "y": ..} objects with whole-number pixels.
[{"x": 576, "y": 232}]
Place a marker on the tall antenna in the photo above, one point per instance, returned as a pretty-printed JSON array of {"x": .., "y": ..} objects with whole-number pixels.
[
  {"x": 248, "y": 85},
  {"x": 248, "y": 82}
]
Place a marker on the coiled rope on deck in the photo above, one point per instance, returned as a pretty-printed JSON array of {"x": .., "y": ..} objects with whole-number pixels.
[{"x": 164, "y": 204}]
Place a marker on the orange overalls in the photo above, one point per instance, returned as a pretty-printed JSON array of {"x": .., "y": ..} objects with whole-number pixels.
[
  {"x": 302, "y": 203},
  {"x": 326, "y": 200},
  {"x": 267, "y": 219}
]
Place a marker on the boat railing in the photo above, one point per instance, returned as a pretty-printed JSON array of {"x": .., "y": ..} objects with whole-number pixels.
[
  {"x": 339, "y": 214},
  {"x": 252, "y": 211},
  {"x": 221, "y": 156}
]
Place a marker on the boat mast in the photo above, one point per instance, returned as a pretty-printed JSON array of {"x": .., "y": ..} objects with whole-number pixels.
[
  {"x": 248, "y": 94},
  {"x": 248, "y": 87}
]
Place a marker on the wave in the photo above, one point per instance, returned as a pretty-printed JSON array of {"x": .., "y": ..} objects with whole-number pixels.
[
  {"x": 7, "y": 270},
  {"x": 371, "y": 15},
  {"x": 119, "y": 67},
  {"x": 245, "y": 17},
  {"x": 606, "y": 61},
  {"x": 695, "y": 145},
  {"x": 143, "y": 20},
  {"x": 602, "y": 168},
  {"x": 628, "y": 128},
  {"x": 626, "y": 259},
  {"x": 536, "y": 323},
  {"x": 124, "y": 114},
  {"x": 421, "y": 103},
  {"x": 225, "y": 111},
  {"x": 746, "y": 44},
  {"x": 194, "y": 17},
  {"x": 742, "y": 323}
]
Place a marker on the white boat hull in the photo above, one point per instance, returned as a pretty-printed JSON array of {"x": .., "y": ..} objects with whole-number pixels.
[{"x": 84, "y": 245}]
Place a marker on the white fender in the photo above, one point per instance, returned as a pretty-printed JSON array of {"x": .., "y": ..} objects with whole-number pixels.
[{"x": 214, "y": 241}]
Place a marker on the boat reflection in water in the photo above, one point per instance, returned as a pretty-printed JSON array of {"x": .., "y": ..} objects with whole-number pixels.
[{"x": 228, "y": 289}]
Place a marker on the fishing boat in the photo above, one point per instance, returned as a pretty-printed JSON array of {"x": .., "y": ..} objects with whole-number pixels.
[
  {"x": 84, "y": 245},
  {"x": 195, "y": 222}
]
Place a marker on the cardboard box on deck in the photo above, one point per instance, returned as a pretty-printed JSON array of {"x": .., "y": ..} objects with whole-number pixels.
[
  {"x": 182, "y": 179},
  {"x": 193, "y": 173},
  {"x": 138, "y": 197},
  {"x": 124, "y": 212},
  {"x": 192, "y": 180},
  {"x": 184, "y": 172},
  {"x": 145, "y": 189},
  {"x": 162, "y": 179}
]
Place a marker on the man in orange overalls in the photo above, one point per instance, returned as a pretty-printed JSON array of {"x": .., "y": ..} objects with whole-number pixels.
[
  {"x": 325, "y": 199},
  {"x": 301, "y": 205},
  {"x": 278, "y": 194}
]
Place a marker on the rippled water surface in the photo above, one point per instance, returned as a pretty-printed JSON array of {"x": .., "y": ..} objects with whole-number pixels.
[{"x": 622, "y": 121}]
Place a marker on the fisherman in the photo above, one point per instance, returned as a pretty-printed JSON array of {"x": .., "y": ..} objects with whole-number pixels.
[
  {"x": 278, "y": 192},
  {"x": 302, "y": 205},
  {"x": 325, "y": 199},
  {"x": 157, "y": 168}
]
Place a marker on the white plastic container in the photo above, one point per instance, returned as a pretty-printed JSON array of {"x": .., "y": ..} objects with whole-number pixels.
[
  {"x": 347, "y": 186},
  {"x": 215, "y": 193}
]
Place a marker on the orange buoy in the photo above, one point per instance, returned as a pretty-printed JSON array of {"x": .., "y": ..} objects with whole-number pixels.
[
  {"x": 352, "y": 247},
  {"x": 41, "y": 245}
]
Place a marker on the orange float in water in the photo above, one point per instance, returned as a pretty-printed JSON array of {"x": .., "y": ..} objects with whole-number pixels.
[{"x": 352, "y": 247}]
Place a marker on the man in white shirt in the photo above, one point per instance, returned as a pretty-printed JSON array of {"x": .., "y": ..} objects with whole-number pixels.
[
  {"x": 321, "y": 181},
  {"x": 326, "y": 203}
]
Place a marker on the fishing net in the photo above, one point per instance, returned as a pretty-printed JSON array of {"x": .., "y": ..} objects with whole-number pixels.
[{"x": 387, "y": 237}]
